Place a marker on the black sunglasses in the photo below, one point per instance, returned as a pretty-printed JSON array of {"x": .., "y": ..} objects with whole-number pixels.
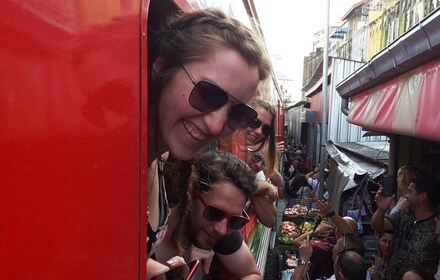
[
  {"x": 265, "y": 129},
  {"x": 214, "y": 214},
  {"x": 207, "y": 97}
]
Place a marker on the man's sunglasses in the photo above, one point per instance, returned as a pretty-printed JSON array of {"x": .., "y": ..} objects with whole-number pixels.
[
  {"x": 207, "y": 97},
  {"x": 214, "y": 214},
  {"x": 265, "y": 128}
]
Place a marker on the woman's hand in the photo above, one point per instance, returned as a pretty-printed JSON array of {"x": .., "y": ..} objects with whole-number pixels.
[
  {"x": 175, "y": 261},
  {"x": 156, "y": 270}
]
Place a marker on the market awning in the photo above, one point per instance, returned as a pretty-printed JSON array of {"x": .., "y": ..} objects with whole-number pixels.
[
  {"x": 395, "y": 91},
  {"x": 343, "y": 176},
  {"x": 407, "y": 105}
]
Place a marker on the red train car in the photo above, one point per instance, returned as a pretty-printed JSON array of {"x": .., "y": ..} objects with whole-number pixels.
[{"x": 73, "y": 137}]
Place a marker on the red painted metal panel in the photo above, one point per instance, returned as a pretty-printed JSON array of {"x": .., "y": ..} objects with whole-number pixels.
[
  {"x": 186, "y": 5},
  {"x": 70, "y": 140},
  {"x": 316, "y": 104}
]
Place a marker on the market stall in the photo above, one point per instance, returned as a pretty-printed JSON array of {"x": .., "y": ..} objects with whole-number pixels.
[{"x": 299, "y": 216}]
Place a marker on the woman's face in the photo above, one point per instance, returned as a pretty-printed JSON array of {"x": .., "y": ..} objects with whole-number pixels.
[
  {"x": 183, "y": 130},
  {"x": 385, "y": 243},
  {"x": 255, "y": 160},
  {"x": 256, "y": 135},
  {"x": 399, "y": 181}
]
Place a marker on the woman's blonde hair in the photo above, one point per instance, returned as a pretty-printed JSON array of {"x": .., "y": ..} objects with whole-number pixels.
[
  {"x": 408, "y": 173},
  {"x": 269, "y": 139}
]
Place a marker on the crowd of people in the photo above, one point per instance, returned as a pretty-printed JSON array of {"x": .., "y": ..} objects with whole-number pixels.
[
  {"x": 206, "y": 69},
  {"x": 301, "y": 179},
  {"x": 408, "y": 237}
]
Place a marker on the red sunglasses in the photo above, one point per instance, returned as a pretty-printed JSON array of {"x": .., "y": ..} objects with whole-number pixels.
[
  {"x": 214, "y": 214},
  {"x": 207, "y": 97}
]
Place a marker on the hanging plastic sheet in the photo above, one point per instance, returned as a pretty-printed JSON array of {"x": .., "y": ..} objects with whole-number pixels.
[{"x": 345, "y": 172}]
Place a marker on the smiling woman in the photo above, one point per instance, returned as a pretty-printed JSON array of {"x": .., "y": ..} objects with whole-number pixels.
[{"x": 226, "y": 61}]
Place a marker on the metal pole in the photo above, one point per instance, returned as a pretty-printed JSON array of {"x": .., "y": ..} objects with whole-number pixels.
[{"x": 324, "y": 103}]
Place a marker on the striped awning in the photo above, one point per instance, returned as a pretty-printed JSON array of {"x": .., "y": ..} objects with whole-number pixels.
[{"x": 408, "y": 104}]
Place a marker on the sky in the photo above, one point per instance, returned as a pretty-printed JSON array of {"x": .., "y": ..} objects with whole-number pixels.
[{"x": 288, "y": 28}]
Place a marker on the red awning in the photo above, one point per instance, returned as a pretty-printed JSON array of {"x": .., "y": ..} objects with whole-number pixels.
[{"x": 407, "y": 105}]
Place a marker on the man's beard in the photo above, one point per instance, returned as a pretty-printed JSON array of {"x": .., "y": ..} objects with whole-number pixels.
[{"x": 191, "y": 235}]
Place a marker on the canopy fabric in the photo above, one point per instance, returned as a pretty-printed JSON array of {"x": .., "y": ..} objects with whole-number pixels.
[
  {"x": 406, "y": 105},
  {"x": 342, "y": 176}
]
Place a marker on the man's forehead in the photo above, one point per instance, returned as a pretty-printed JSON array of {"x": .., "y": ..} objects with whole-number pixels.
[{"x": 412, "y": 186}]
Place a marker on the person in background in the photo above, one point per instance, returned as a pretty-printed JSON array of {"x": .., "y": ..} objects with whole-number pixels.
[
  {"x": 262, "y": 201},
  {"x": 350, "y": 265},
  {"x": 221, "y": 185},
  {"x": 417, "y": 273},
  {"x": 351, "y": 247},
  {"x": 313, "y": 179},
  {"x": 198, "y": 88},
  {"x": 404, "y": 175},
  {"x": 377, "y": 270},
  {"x": 261, "y": 138},
  {"x": 347, "y": 254},
  {"x": 262, "y": 156},
  {"x": 298, "y": 182},
  {"x": 415, "y": 242},
  {"x": 437, "y": 232},
  {"x": 257, "y": 165},
  {"x": 292, "y": 170},
  {"x": 343, "y": 225},
  {"x": 305, "y": 253},
  {"x": 287, "y": 158},
  {"x": 321, "y": 264}
]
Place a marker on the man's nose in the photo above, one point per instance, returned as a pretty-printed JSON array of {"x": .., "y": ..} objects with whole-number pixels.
[{"x": 221, "y": 227}]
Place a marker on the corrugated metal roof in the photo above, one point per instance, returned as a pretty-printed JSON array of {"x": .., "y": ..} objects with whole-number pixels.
[{"x": 377, "y": 152}]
